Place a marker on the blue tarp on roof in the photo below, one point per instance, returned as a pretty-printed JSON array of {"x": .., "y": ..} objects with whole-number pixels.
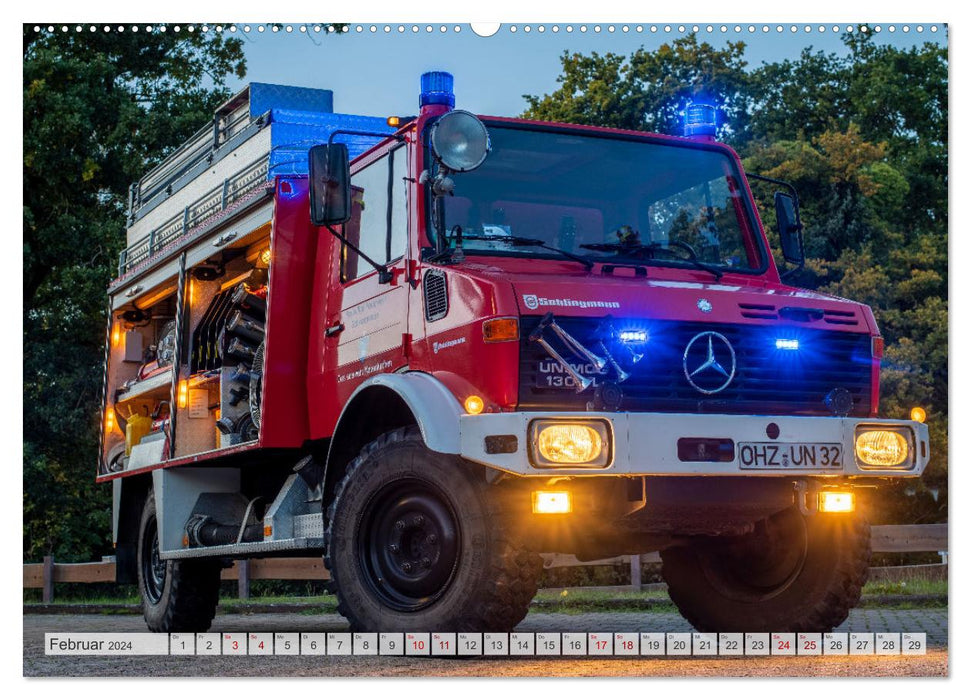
[
  {"x": 266, "y": 96},
  {"x": 295, "y": 132}
]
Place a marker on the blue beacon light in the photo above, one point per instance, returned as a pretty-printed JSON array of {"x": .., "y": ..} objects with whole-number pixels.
[
  {"x": 700, "y": 119},
  {"x": 633, "y": 337},
  {"x": 786, "y": 344},
  {"x": 436, "y": 89}
]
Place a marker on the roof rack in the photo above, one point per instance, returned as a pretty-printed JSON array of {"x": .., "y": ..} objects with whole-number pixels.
[{"x": 263, "y": 131}]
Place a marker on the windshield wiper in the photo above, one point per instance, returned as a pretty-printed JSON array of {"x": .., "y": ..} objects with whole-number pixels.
[
  {"x": 518, "y": 241},
  {"x": 650, "y": 248}
]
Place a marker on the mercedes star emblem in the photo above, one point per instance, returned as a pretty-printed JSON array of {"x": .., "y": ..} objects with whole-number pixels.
[{"x": 709, "y": 362}]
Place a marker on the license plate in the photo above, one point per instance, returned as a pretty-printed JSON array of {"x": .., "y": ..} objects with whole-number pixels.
[{"x": 790, "y": 455}]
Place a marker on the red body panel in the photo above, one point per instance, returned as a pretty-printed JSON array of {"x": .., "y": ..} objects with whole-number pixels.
[
  {"x": 310, "y": 373},
  {"x": 293, "y": 252}
]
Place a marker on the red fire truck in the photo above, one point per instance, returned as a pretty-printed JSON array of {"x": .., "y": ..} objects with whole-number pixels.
[{"x": 430, "y": 348}]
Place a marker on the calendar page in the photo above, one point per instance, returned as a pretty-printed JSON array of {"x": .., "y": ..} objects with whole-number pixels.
[{"x": 409, "y": 346}]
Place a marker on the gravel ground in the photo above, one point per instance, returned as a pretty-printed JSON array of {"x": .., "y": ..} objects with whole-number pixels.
[{"x": 932, "y": 621}]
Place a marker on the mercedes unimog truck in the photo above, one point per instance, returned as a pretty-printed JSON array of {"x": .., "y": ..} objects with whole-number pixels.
[{"x": 430, "y": 348}]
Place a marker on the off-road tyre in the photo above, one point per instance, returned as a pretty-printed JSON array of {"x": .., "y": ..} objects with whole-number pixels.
[
  {"x": 474, "y": 577},
  {"x": 795, "y": 574},
  {"x": 181, "y": 596}
]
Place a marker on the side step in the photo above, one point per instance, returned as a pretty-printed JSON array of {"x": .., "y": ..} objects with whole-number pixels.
[{"x": 244, "y": 549}]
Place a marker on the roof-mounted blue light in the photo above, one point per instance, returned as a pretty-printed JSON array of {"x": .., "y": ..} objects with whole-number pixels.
[
  {"x": 700, "y": 119},
  {"x": 436, "y": 89}
]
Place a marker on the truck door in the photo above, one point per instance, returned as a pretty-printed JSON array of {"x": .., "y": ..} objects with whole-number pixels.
[{"x": 367, "y": 330}]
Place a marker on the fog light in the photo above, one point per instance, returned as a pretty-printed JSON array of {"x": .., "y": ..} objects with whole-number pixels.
[
  {"x": 569, "y": 443},
  {"x": 882, "y": 448},
  {"x": 837, "y": 501},
  {"x": 552, "y": 502}
]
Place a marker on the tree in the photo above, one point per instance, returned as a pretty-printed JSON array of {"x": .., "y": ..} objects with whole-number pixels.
[
  {"x": 649, "y": 90},
  {"x": 100, "y": 109}
]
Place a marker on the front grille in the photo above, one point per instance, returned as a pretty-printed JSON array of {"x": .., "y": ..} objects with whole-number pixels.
[{"x": 767, "y": 380}]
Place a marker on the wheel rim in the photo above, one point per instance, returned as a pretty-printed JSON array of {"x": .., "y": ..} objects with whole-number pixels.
[
  {"x": 760, "y": 566},
  {"x": 153, "y": 567},
  {"x": 408, "y": 544}
]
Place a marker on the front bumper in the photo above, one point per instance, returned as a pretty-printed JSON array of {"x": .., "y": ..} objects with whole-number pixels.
[{"x": 646, "y": 444}]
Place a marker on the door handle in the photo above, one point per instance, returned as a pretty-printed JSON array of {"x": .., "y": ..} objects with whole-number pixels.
[{"x": 333, "y": 330}]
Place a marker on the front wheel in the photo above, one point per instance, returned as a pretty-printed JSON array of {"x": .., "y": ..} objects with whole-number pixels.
[
  {"x": 794, "y": 573},
  {"x": 177, "y": 595},
  {"x": 415, "y": 542}
]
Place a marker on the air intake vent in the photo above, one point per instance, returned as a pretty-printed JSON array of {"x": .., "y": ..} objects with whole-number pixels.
[
  {"x": 841, "y": 318},
  {"x": 801, "y": 314},
  {"x": 766, "y": 311},
  {"x": 436, "y": 295}
]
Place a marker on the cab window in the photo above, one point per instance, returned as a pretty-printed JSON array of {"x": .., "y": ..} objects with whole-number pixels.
[{"x": 378, "y": 223}]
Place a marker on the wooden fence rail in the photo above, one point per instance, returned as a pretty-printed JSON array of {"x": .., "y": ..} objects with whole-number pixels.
[{"x": 885, "y": 538}]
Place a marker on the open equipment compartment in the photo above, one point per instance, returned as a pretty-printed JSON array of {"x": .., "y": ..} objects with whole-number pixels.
[
  {"x": 220, "y": 389},
  {"x": 175, "y": 390},
  {"x": 141, "y": 353}
]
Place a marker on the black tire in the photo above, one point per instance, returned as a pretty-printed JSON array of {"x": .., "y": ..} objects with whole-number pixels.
[
  {"x": 177, "y": 595},
  {"x": 463, "y": 573},
  {"x": 796, "y": 573}
]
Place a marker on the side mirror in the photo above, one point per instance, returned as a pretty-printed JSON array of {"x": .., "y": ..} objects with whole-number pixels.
[
  {"x": 790, "y": 228},
  {"x": 330, "y": 184}
]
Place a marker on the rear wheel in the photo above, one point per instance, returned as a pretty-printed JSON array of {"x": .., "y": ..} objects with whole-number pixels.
[
  {"x": 177, "y": 595},
  {"x": 795, "y": 573},
  {"x": 415, "y": 542}
]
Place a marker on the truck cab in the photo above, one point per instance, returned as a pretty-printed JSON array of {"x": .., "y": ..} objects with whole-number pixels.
[{"x": 431, "y": 348}]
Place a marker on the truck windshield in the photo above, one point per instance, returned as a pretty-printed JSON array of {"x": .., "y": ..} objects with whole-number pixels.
[{"x": 610, "y": 200}]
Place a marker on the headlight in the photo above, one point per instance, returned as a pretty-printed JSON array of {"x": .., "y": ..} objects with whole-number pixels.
[
  {"x": 574, "y": 443},
  {"x": 883, "y": 448}
]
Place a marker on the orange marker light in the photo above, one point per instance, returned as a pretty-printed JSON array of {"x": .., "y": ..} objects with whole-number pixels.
[
  {"x": 183, "y": 393},
  {"x": 500, "y": 330},
  {"x": 116, "y": 335},
  {"x": 109, "y": 420},
  {"x": 474, "y": 405},
  {"x": 394, "y": 121},
  {"x": 918, "y": 414}
]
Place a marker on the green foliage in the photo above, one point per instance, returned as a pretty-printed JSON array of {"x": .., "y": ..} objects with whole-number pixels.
[
  {"x": 648, "y": 90},
  {"x": 99, "y": 110},
  {"x": 863, "y": 137}
]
